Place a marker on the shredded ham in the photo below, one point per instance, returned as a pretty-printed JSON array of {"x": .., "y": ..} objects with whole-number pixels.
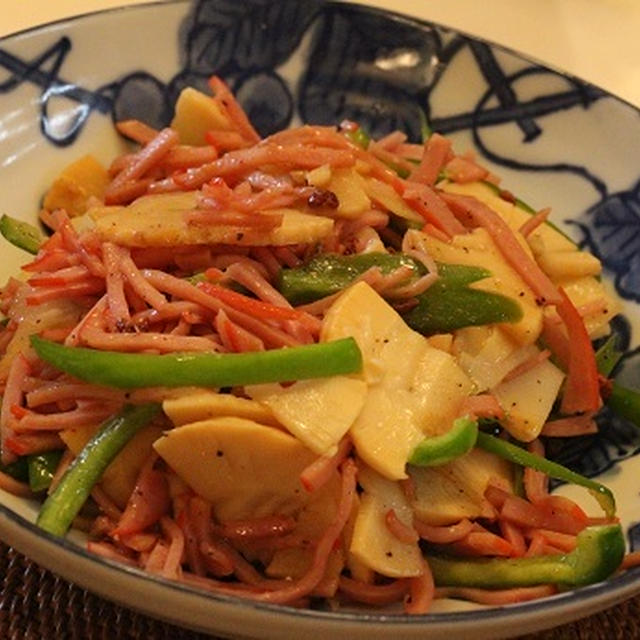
[
  {"x": 534, "y": 222},
  {"x": 12, "y": 397},
  {"x": 401, "y": 531},
  {"x": 536, "y": 483},
  {"x": 527, "y": 365},
  {"x": 477, "y": 213},
  {"x": 319, "y": 472},
  {"x": 445, "y": 534},
  {"x": 148, "y": 503},
  {"x": 437, "y": 150},
  {"x": 570, "y": 427},
  {"x": 373, "y": 594},
  {"x": 421, "y": 591}
]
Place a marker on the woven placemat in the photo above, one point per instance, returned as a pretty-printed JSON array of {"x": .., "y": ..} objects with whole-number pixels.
[{"x": 36, "y": 604}]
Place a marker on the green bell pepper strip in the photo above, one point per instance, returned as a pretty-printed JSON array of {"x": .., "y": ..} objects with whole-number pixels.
[
  {"x": 63, "y": 505},
  {"x": 438, "y": 450},
  {"x": 519, "y": 456},
  {"x": 360, "y": 137},
  {"x": 624, "y": 402},
  {"x": 135, "y": 370},
  {"x": 446, "y": 305},
  {"x": 41, "y": 467},
  {"x": 598, "y": 553},
  {"x": 18, "y": 470},
  {"x": 608, "y": 356},
  {"x": 21, "y": 234}
]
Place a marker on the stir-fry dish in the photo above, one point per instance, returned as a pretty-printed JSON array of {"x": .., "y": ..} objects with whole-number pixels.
[{"x": 312, "y": 369}]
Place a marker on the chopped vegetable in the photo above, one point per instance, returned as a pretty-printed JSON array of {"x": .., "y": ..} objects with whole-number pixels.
[
  {"x": 42, "y": 466},
  {"x": 134, "y": 370},
  {"x": 456, "y": 442},
  {"x": 598, "y": 554},
  {"x": 521, "y": 457},
  {"x": 625, "y": 402},
  {"x": 21, "y": 234},
  {"x": 62, "y": 506},
  {"x": 446, "y": 305}
]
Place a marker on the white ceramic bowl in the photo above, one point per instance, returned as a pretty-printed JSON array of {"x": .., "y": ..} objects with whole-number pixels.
[{"x": 553, "y": 139}]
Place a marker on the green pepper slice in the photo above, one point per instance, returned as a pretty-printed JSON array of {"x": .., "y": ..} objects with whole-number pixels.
[
  {"x": 519, "y": 456},
  {"x": 598, "y": 554},
  {"x": 446, "y": 305},
  {"x": 21, "y": 234},
  {"x": 135, "y": 370},
  {"x": 62, "y": 506},
  {"x": 42, "y": 466},
  {"x": 438, "y": 450}
]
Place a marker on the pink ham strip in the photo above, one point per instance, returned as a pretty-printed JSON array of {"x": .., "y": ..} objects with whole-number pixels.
[
  {"x": 182, "y": 157},
  {"x": 513, "y": 535},
  {"x": 149, "y": 501},
  {"x": 34, "y": 442},
  {"x": 476, "y": 212},
  {"x": 84, "y": 413},
  {"x": 271, "y": 336},
  {"x": 391, "y": 141},
  {"x": 73, "y": 291},
  {"x": 137, "y": 131},
  {"x": 484, "y": 405},
  {"x": 62, "y": 390},
  {"x": 436, "y": 152},
  {"x": 527, "y": 365},
  {"x": 443, "y": 534},
  {"x": 534, "y": 222},
  {"x": 235, "y": 164},
  {"x": 234, "y": 110},
  {"x": 268, "y": 260},
  {"x": 144, "y": 341},
  {"x": 150, "y": 155},
  {"x": 12, "y": 397},
  {"x": 562, "y": 541},
  {"x": 233, "y": 337},
  {"x": 373, "y": 594},
  {"x": 536, "y": 483},
  {"x": 117, "y": 301},
  {"x": 257, "y": 528},
  {"x": 569, "y": 427},
  {"x": 74, "y": 244},
  {"x": 401, "y": 531},
  {"x": 213, "y": 553},
  {"x": 66, "y": 275},
  {"x": 246, "y": 274},
  {"x": 138, "y": 283},
  {"x": 171, "y": 312},
  {"x": 172, "y": 568},
  {"x": 433, "y": 208},
  {"x": 106, "y": 504},
  {"x": 421, "y": 591},
  {"x": 93, "y": 316},
  {"x": 312, "y": 135},
  {"x": 463, "y": 170},
  {"x": 319, "y": 472}
]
